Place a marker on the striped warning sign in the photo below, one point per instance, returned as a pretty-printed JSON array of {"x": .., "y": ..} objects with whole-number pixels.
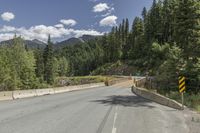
[{"x": 182, "y": 84}]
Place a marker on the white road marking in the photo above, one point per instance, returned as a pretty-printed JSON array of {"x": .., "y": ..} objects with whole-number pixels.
[{"x": 114, "y": 129}]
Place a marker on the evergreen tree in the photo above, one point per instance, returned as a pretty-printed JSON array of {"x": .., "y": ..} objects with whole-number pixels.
[
  {"x": 144, "y": 14},
  {"x": 168, "y": 20},
  {"x": 137, "y": 33},
  {"x": 127, "y": 44},
  {"x": 188, "y": 38},
  {"x": 123, "y": 31},
  {"x": 48, "y": 62},
  {"x": 20, "y": 66},
  {"x": 39, "y": 64},
  {"x": 187, "y": 27}
]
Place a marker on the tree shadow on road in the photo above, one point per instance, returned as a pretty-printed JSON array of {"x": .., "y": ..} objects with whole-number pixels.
[{"x": 127, "y": 101}]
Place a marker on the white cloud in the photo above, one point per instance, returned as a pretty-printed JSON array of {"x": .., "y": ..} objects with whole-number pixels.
[
  {"x": 6, "y": 36},
  {"x": 41, "y": 32},
  {"x": 7, "y": 16},
  {"x": 68, "y": 22},
  {"x": 110, "y": 11},
  {"x": 108, "y": 21},
  {"x": 101, "y": 7},
  {"x": 79, "y": 33},
  {"x": 59, "y": 25},
  {"x": 7, "y": 29}
]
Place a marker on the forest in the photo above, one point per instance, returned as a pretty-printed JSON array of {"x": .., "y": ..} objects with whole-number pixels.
[{"x": 163, "y": 42}]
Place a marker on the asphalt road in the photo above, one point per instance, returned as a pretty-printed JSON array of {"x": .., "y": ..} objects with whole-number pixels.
[{"x": 101, "y": 110}]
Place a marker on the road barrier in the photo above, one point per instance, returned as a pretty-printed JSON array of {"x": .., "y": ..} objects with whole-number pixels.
[
  {"x": 24, "y": 94},
  {"x": 41, "y": 92},
  {"x": 116, "y": 81},
  {"x": 6, "y": 95},
  {"x": 156, "y": 98},
  {"x": 61, "y": 90},
  {"x": 11, "y": 95},
  {"x": 153, "y": 96}
]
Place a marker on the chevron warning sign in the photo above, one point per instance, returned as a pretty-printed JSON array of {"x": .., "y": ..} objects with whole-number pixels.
[{"x": 182, "y": 84}]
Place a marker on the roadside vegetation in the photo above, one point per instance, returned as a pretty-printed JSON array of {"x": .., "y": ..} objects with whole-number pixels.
[
  {"x": 78, "y": 80},
  {"x": 164, "y": 42},
  {"x": 192, "y": 101}
]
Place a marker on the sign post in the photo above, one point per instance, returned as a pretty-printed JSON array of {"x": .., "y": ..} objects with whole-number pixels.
[
  {"x": 182, "y": 88},
  {"x": 182, "y": 98}
]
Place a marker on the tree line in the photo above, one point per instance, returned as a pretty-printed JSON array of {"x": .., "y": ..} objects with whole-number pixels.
[
  {"x": 164, "y": 42},
  {"x": 21, "y": 68}
]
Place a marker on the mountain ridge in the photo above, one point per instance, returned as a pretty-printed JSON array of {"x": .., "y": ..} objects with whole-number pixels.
[{"x": 37, "y": 44}]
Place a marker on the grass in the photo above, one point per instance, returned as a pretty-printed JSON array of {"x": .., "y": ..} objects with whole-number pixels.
[
  {"x": 65, "y": 81},
  {"x": 190, "y": 100},
  {"x": 198, "y": 108}
]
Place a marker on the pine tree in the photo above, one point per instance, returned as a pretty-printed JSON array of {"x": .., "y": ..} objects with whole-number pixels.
[
  {"x": 48, "y": 62},
  {"x": 126, "y": 45},
  {"x": 187, "y": 27},
  {"x": 39, "y": 64},
  {"x": 137, "y": 38},
  {"x": 123, "y": 32},
  {"x": 154, "y": 23},
  {"x": 144, "y": 14},
  {"x": 168, "y": 20},
  {"x": 188, "y": 39},
  {"x": 126, "y": 30}
]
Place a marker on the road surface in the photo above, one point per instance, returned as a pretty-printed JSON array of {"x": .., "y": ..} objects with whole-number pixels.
[{"x": 101, "y": 110}]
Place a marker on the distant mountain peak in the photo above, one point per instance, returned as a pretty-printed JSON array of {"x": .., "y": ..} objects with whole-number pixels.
[
  {"x": 74, "y": 41},
  {"x": 38, "y": 41},
  {"x": 31, "y": 44},
  {"x": 35, "y": 43}
]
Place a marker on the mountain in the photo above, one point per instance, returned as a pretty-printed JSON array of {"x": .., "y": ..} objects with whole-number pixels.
[
  {"x": 34, "y": 44},
  {"x": 74, "y": 41},
  {"x": 30, "y": 44},
  {"x": 86, "y": 38},
  {"x": 71, "y": 41}
]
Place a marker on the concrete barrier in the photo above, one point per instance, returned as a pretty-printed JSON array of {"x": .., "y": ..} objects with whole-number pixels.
[
  {"x": 6, "y": 95},
  {"x": 77, "y": 87},
  {"x": 86, "y": 86},
  {"x": 140, "y": 82},
  {"x": 11, "y": 95},
  {"x": 156, "y": 97},
  {"x": 24, "y": 94},
  {"x": 116, "y": 81},
  {"x": 92, "y": 85},
  {"x": 61, "y": 90},
  {"x": 41, "y": 92}
]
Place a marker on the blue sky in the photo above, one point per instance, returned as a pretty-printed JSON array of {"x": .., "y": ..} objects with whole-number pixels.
[{"x": 35, "y": 19}]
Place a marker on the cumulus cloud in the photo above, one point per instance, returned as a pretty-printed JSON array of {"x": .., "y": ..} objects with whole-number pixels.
[
  {"x": 59, "y": 25},
  {"x": 110, "y": 11},
  {"x": 68, "y": 22},
  {"x": 7, "y": 29},
  {"x": 7, "y": 16},
  {"x": 6, "y": 36},
  {"x": 41, "y": 32},
  {"x": 108, "y": 21},
  {"x": 101, "y": 7}
]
